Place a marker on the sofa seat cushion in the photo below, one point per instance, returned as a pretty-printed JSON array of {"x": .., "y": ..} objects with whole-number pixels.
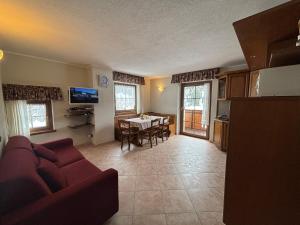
[
  {"x": 45, "y": 153},
  {"x": 79, "y": 171},
  {"x": 67, "y": 155},
  {"x": 52, "y": 175}
]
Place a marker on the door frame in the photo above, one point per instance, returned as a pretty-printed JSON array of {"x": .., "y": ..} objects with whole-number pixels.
[{"x": 183, "y": 85}]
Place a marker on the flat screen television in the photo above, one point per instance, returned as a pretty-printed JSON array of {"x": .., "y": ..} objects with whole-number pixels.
[{"x": 79, "y": 95}]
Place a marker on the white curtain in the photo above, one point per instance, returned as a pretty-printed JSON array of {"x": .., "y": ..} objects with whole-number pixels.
[
  {"x": 17, "y": 118},
  {"x": 205, "y": 111}
]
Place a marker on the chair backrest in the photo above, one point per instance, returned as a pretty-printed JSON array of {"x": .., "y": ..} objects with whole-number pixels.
[
  {"x": 155, "y": 123},
  {"x": 165, "y": 121},
  {"x": 124, "y": 125}
]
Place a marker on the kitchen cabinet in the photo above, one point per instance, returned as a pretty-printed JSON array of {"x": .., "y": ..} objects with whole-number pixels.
[
  {"x": 233, "y": 84},
  {"x": 262, "y": 180},
  {"x": 237, "y": 84},
  {"x": 221, "y": 134}
]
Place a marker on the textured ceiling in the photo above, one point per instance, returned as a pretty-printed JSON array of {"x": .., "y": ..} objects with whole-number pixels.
[{"x": 147, "y": 37}]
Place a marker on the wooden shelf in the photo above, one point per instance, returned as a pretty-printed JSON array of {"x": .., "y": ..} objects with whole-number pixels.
[
  {"x": 74, "y": 115},
  {"x": 86, "y": 113}
]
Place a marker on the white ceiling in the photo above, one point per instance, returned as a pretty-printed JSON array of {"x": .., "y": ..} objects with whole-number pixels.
[{"x": 147, "y": 37}]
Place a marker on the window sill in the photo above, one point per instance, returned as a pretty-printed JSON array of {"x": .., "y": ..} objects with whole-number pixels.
[
  {"x": 41, "y": 132},
  {"x": 125, "y": 113}
]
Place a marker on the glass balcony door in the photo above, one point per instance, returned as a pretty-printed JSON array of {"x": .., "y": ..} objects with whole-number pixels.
[{"x": 195, "y": 109}]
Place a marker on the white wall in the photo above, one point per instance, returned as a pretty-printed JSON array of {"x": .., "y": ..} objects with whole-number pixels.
[
  {"x": 163, "y": 97},
  {"x": 104, "y": 111},
  {"x": 17, "y": 69},
  {"x": 145, "y": 99}
]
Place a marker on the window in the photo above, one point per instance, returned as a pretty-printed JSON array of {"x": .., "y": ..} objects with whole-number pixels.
[
  {"x": 125, "y": 98},
  {"x": 40, "y": 116}
]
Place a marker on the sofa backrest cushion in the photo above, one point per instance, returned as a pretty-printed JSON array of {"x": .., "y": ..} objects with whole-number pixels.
[
  {"x": 45, "y": 153},
  {"x": 52, "y": 175},
  {"x": 18, "y": 142},
  {"x": 20, "y": 183}
]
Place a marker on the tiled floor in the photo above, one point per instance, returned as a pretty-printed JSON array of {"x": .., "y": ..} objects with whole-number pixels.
[
  {"x": 178, "y": 182},
  {"x": 201, "y": 133}
]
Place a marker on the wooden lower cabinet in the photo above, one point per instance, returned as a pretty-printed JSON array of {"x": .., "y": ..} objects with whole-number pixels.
[
  {"x": 221, "y": 134},
  {"x": 262, "y": 182}
]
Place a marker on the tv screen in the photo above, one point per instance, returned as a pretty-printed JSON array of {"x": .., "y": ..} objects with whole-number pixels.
[{"x": 83, "y": 95}]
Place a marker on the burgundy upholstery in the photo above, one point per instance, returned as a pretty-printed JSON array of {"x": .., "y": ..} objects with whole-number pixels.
[
  {"x": 19, "y": 182},
  {"x": 90, "y": 198},
  {"x": 45, "y": 153},
  {"x": 18, "y": 142},
  {"x": 79, "y": 171},
  {"x": 52, "y": 175},
  {"x": 65, "y": 151}
]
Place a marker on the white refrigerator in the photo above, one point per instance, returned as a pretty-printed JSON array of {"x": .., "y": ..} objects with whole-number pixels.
[{"x": 277, "y": 81}]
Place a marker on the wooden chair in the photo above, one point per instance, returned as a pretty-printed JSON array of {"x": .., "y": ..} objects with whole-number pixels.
[
  {"x": 127, "y": 132},
  {"x": 151, "y": 132},
  {"x": 164, "y": 129}
]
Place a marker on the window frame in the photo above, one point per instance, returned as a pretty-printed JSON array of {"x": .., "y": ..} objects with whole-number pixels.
[
  {"x": 125, "y": 112},
  {"x": 49, "y": 118}
]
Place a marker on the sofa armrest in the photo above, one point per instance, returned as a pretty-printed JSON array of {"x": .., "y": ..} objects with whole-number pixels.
[
  {"x": 91, "y": 201},
  {"x": 59, "y": 143}
]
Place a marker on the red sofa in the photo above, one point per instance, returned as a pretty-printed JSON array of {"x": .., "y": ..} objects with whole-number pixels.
[{"x": 89, "y": 196}]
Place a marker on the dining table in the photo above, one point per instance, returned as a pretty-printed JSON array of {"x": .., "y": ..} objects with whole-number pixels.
[{"x": 143, "y": 123}]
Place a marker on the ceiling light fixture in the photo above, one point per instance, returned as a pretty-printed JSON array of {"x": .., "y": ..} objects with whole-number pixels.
[{"x": 1, "y": 54}]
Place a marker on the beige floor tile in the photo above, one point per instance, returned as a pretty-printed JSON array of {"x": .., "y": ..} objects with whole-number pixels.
[
  {"x": 127, "y": 183},
  {"x": 120, "y": 220},
  {"x": 211, "y": 218},
  {"x": 206, "y": 199},
  {"x": 169, "y": 182},
  {"x": 162, "y": 159},
  {"x": 126, "y": 203},
  {"x": 149, "y": 220},
  {"x": 182, "y": 219},
  {"x": 147, "y": 183},
  {"x": 147, "y": 169},
  {"x": 191, "y": 181},
  {"x": 129, "y": 170},
  {"x": 164, "y": 169},
  {"x": 148, "y": 202},
  {"x": 183, "y": 176},
  {"x": 197, "y": 180},
  {"x": 176, "y": 201}
]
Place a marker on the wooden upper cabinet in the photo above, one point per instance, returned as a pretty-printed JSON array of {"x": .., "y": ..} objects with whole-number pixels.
[
  {"x": 235, "y": 84},
  {"x": 261, "y": 36},
  {"x": 238, "y": 84}
]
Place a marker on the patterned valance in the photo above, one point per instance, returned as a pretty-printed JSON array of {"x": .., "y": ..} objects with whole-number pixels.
[
  {"x": 28, "y": 92},
  {"x": 128, "y": 78},
  {"x": 195, "y": 76}
]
